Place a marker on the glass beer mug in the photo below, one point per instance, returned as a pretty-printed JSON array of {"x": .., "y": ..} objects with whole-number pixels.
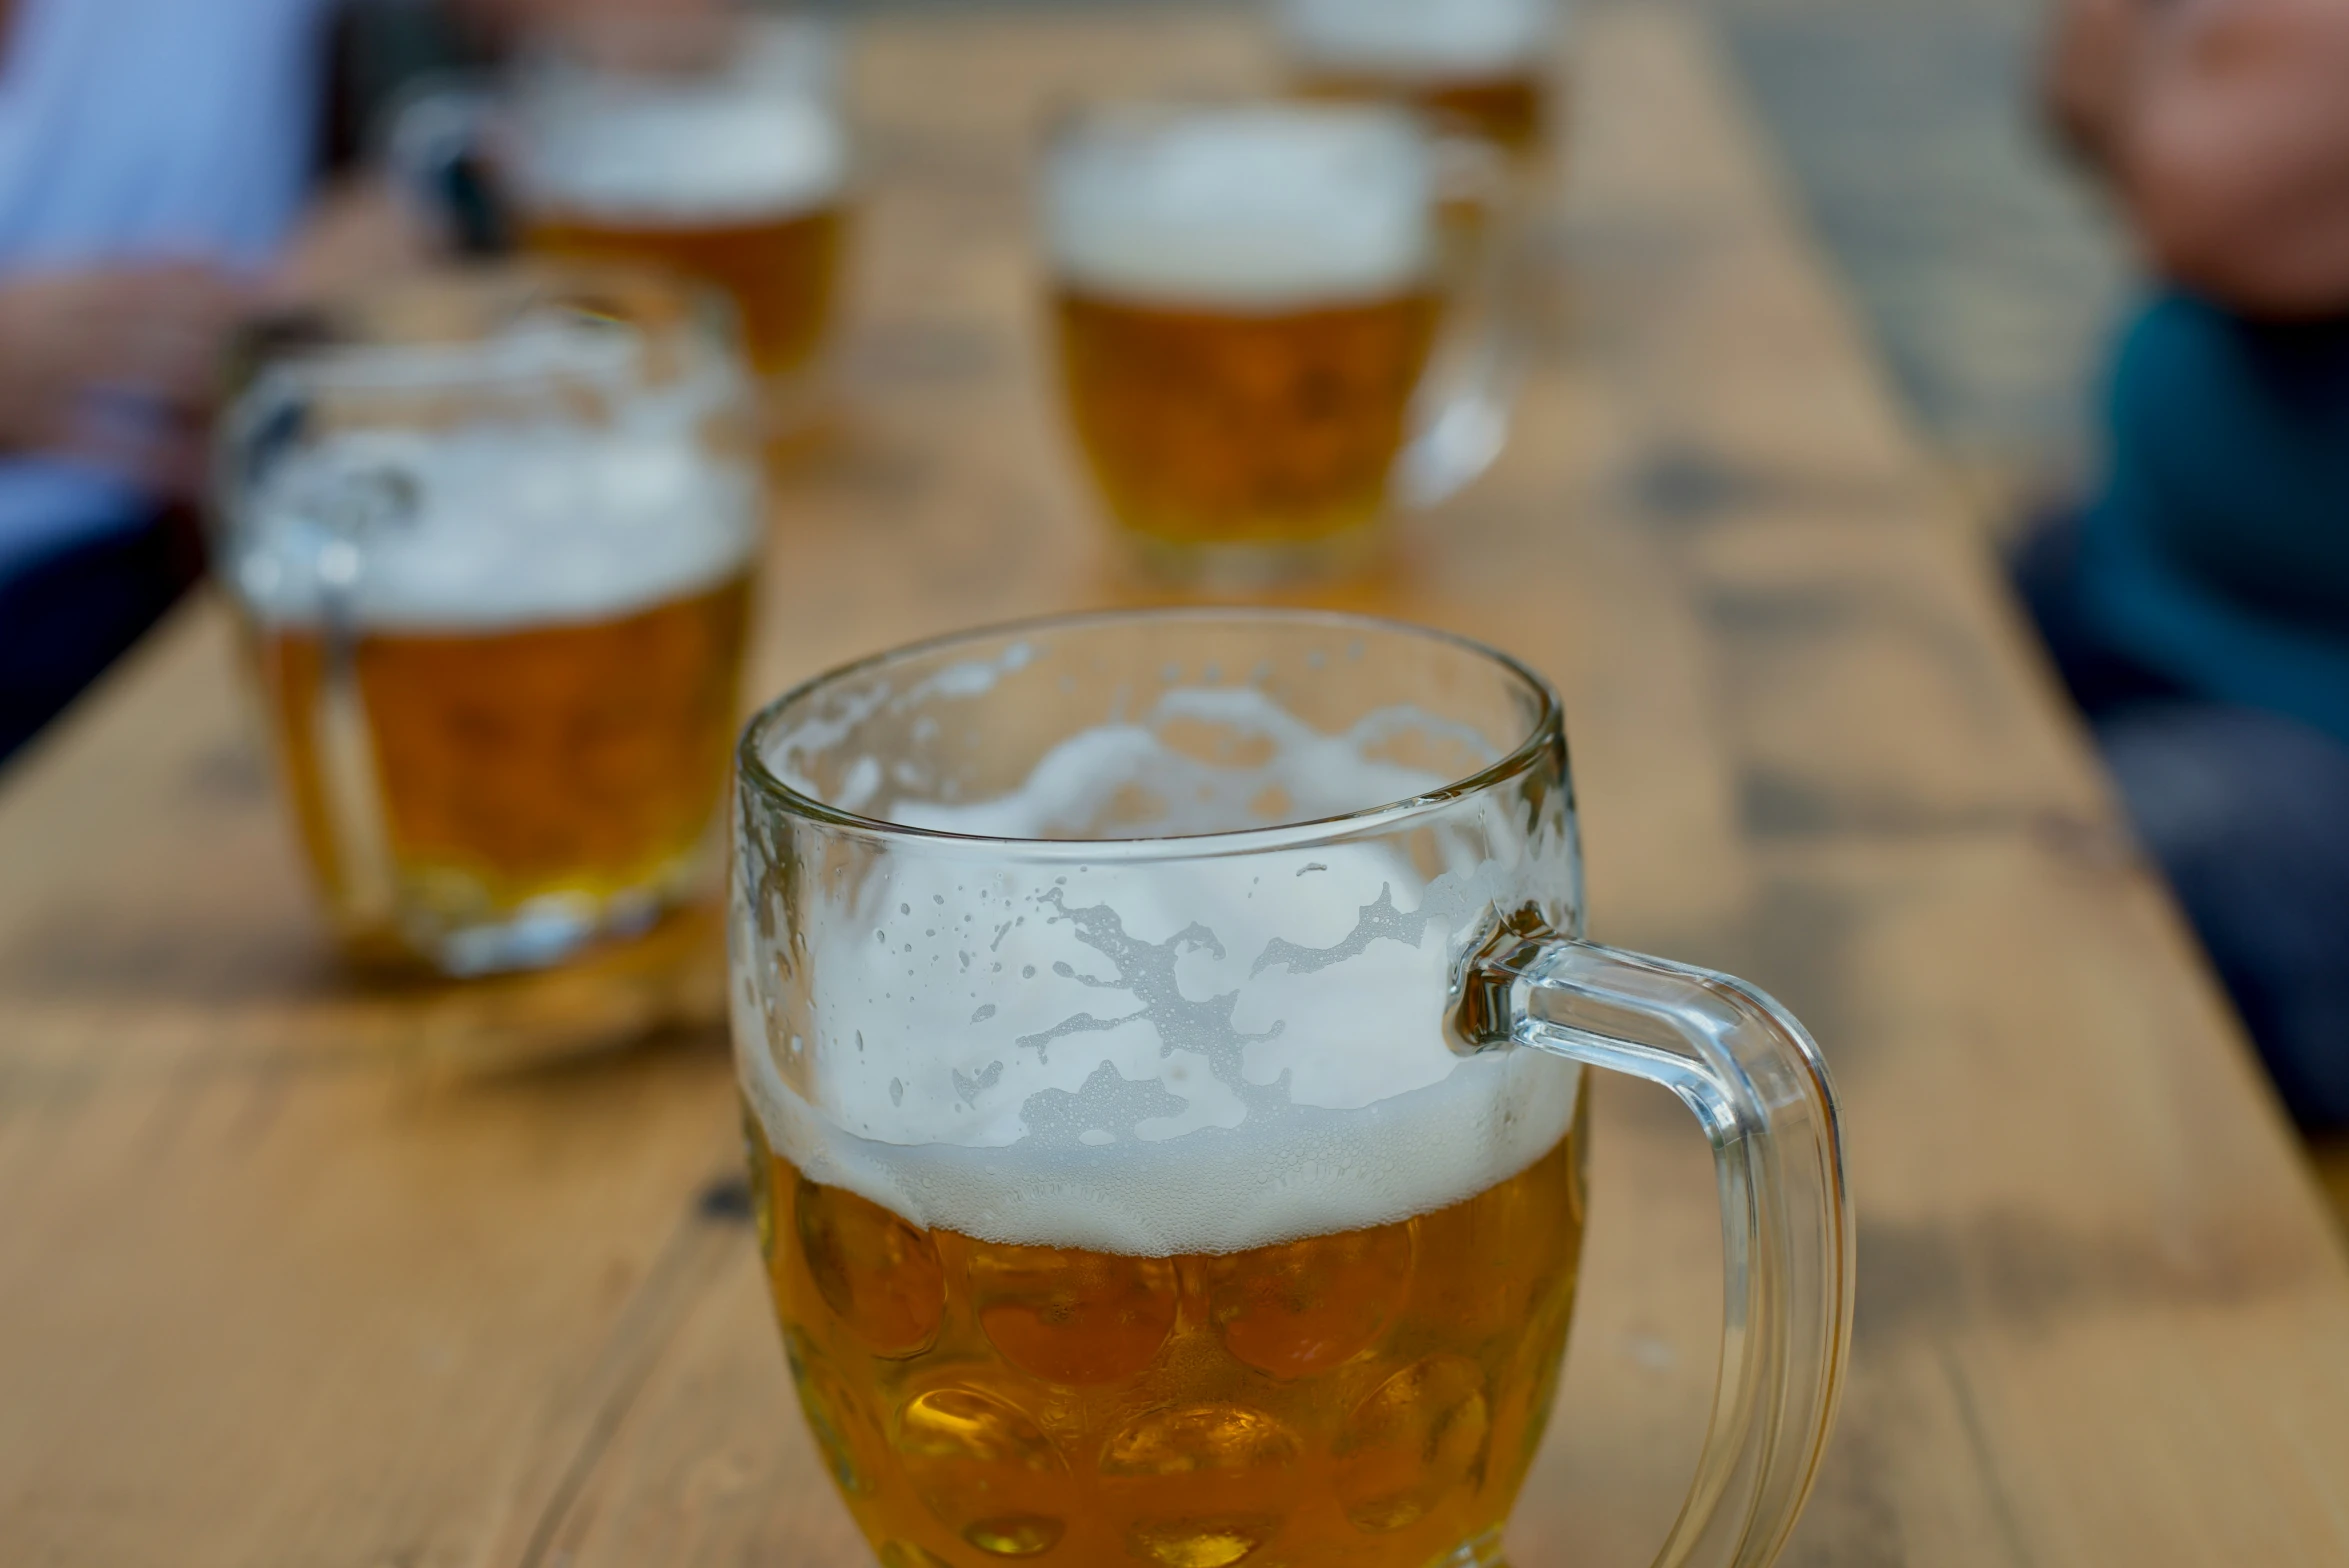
[
  {"x": 491, "y": 541},
  {"x": 707, "y": 143},
  {"x": 1163, "y": 1038},
  {"x": 1478, "y": 68},
  {"x": 1261, "y": 336}
]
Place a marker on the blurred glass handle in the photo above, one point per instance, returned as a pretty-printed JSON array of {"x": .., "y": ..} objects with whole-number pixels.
[
  {"x": 1755, "y": 1080},
  {"x": 349, "y": 787},
  {"x": 433, "y": 150},
  {"x": 1460, "y": 412}
]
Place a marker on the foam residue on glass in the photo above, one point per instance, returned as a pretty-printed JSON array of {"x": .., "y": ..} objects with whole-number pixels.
[
  {"x": 1195, "y": 1054},
  {"x": 1420, "y": 38},
  {"x": 585, "y": 496},
  {"x": 1125, "y": 776},
  {"x": 1261, "y": 207}
]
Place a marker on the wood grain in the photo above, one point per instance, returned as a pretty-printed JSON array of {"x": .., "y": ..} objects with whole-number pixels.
[{"x": 274, "y": 1290}]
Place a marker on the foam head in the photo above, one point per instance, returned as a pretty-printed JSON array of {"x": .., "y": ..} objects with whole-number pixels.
[
  {"x": 1148, "y": 1051},
  {"x": 663, "y": 154},
  {"x": 1419, "y": 38},
  {"x": 1265, "y": 207},
  {"x": 527, "y": 515}
]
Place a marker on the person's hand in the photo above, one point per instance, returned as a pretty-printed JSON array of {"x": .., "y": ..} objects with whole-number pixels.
[
  {"x": 358, "y": 234},
  {"x": 115, "y": 365}
]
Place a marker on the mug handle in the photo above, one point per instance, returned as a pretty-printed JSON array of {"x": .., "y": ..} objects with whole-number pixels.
[
  {"x": 339, "y": 520},
  {"x": 1460, "y": 410},
  {"x": 1756, "y": 1082},
  {"x": 361, "y": 504},
  {"x": 433, "y": 145}
]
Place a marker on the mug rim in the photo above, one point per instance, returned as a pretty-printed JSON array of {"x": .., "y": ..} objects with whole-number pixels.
[
  {"x": 756, "y": 778},
  {"x": 341, "y": 346}
]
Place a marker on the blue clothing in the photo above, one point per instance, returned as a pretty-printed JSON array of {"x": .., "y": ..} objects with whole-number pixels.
[
  {"x": 2219, "y": 555},
  {"x": 2200, "y": 616},
  {"x": 2248, "y": 814},
  {"x": 144, "y": 130}
]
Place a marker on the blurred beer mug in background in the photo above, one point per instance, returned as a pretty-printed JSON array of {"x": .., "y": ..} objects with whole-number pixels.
[
  {"x": 1477, "y": 68},
  {"x": 1257, "y": 339},
  {"x": 708, "y": 144},
  {"x": 492, "y": 540},
  {"x": 1485, "y": 75},
  {"x": 1164, "y": 1042}
]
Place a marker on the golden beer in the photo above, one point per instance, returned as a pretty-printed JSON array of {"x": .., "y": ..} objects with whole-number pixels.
[
  {"x": 1246, "y": 301},
  {"x": 726, "y": 164},
  {"x": 1510, "y": 109},
  {"x": 516, "y": 765},
  {"x": 491, "y": 539},
  {"x": 781, "y": 270},
  {"x": 1208, "y": 426},
  {"x": 1477, "y": 68},
  {"x": 1370, "y": 1398}
]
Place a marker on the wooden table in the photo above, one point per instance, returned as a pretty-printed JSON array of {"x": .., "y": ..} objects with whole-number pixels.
[{"x": 270, "y": 1294}]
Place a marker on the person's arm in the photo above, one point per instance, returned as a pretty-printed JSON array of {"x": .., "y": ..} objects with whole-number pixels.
[
  {"x": 2232, "y": 151},
  {"x": 114, "y": 365}
]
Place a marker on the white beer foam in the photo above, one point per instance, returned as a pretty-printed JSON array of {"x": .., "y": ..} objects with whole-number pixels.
[
  {"x": 1193, "y": 1055},
  {"x": 656, "y": 155},
  {"x": 1420, "y": 39},
  {"x": 496, "y": 525},
  {"x": 1260, "y": 208},
  {"x": 1308, "y": 1174}
]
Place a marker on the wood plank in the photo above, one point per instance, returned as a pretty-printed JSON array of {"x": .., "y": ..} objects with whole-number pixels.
[
  {"x": 2332, "y": 1169},
  {"x": 275, "y": 1288}
]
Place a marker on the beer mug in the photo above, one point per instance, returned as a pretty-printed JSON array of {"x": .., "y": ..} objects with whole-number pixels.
[
  {"x": 1478, "y": 68},
  {"x": 1257, "y": 339},
  {"x": 1163, "y": 1038},
  {"x": 712, "y": 146},
  {"x": 491, "y": 544}
]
